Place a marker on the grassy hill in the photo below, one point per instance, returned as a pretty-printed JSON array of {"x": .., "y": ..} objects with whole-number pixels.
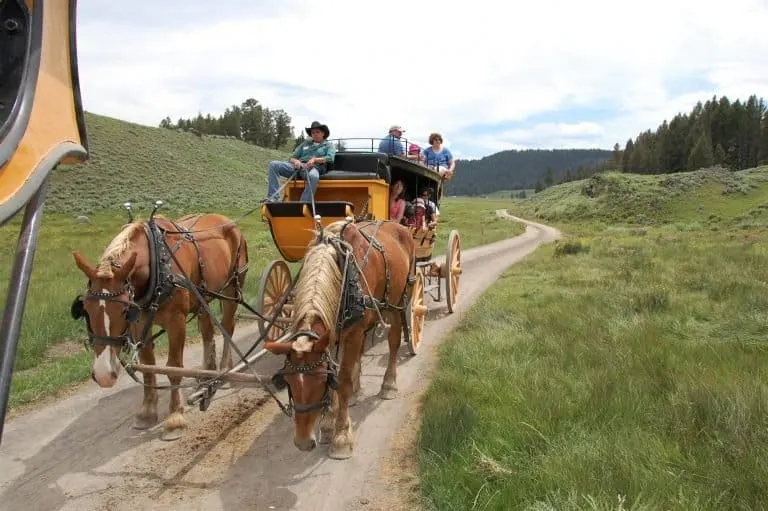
[
  {"x": 620, "y": 368},
  {"x": 514, "y": 170},
  {"x": 707, "y": 196},
  {"x": 142, "y": 164}
]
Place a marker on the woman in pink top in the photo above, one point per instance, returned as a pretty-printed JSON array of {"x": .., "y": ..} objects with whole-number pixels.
[{"x": 396, "y": 202}]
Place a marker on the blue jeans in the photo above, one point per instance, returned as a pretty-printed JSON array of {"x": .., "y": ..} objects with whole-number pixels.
[{"x": 285, "y": 169}]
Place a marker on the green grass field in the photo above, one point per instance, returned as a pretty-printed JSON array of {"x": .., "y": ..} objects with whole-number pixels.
[
  {"x": 621, "y": 368},
  {"x": 130, "y": 162}
]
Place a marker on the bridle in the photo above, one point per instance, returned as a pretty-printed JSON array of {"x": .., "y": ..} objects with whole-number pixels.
[
  {"x": 131, "y": 313},
  {"x": 312, "y": 368}
]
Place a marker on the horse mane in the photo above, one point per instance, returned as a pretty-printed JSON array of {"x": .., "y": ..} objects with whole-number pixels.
[
  {"x": 117, "y": 248},
  {"x": 318, "y": 289}
]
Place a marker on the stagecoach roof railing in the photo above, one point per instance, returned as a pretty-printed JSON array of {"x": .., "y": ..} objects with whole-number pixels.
[{"x": 371, "y": 145}]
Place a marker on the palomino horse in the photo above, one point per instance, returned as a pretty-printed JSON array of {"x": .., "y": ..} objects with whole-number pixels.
[
  {"x": 137, "y": 284},
  {"x": 334, "y": 305}
]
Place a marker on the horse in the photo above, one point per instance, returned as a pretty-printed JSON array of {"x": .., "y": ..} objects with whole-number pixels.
[
  {"x": 353, "y": 276},
  {"x": 137, "y": 284}
]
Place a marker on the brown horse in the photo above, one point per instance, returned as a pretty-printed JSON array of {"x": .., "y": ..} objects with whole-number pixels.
[
  {"x": 384, "y": 252},
  {"x": 124, "y": 291}
]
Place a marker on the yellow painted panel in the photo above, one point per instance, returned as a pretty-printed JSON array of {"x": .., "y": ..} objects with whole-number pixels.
[{"x": 53, "y": 119}]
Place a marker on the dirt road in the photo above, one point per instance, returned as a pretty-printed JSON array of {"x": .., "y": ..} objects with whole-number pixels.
[{"x": 81, "y": 453}]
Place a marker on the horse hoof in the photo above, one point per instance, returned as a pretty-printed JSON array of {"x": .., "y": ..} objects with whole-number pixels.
[
  {"x": 170, "y": 435},
  {"x": 388, "y": 393},
  {"x": 142, "y": 423},
  {"x": 340, "y": 453}
]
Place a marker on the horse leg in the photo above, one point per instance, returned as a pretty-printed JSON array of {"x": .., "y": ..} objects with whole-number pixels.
[
  {"x": 327, "y": 419},
  {"x": 228, "y": 313},
  {"x": 389, "y": 385},
  {"x": 343, "y": 439},
  {"x": 175, "y": 422},
  {"x": 357, "y": 370},
  {"x": 205, "y": 325},
  {"x": 147, "y": 415}
]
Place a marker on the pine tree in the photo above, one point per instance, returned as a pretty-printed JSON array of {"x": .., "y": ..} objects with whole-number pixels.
[{"x": 701, "y": 155}]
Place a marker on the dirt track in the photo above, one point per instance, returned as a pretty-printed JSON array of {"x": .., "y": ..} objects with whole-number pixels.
[{"x": 81, "y": 453}]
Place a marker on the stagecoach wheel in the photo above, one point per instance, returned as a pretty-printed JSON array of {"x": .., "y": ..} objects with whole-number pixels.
[
  {"x": 452, "y": 270},
  {"x": 274, "y": 284},
  {"x": 416, "y": 313}
]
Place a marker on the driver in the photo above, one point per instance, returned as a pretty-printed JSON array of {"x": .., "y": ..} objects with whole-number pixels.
[{"x": 311, "y": 158}]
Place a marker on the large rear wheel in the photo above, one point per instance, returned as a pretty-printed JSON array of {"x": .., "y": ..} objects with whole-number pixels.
[
  {"x": 416, "y": 314},
  {"x": 275, "y": 283},
  {"x": 452, "y": 271}
]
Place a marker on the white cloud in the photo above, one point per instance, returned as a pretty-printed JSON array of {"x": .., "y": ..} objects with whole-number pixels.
[{"x": 431, "y": 67}]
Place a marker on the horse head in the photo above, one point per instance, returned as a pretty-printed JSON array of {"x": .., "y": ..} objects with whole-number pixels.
[
  {"x": 309, "y": 372},
  {"x": 108, "y": 306}
]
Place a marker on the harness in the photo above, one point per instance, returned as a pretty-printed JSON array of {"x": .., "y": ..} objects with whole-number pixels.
[
  {"x": 161, "y": 284},
  {"x": 353, "y": 303}
]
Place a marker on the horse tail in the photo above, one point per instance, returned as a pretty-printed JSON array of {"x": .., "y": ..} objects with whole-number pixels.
[{"x": 240, "y": 248}]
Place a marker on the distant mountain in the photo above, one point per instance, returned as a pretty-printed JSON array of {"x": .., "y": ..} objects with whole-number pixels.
[{"x": 515, "y": 170}]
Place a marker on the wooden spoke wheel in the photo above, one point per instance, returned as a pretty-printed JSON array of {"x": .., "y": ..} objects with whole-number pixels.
[
  {"x": 274, "y": 284},
  {"x": 415, "y": 315},
  {"x": 452, "y": 270}
]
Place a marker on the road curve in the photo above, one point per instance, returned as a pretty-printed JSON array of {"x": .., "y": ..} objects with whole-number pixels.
[{"x": 80, "y": 453}]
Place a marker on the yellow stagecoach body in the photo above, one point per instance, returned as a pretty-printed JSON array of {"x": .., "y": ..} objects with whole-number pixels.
[
  {"x": 41, "y": 126},
  {"x": 357, "y": 184}
]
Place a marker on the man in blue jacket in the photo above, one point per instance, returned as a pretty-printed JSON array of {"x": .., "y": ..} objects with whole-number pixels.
[
  {"x": 311, "y": 158},
  {"x": 391, "y": 144}
]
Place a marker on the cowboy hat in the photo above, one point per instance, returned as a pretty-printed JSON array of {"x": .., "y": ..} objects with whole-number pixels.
[{"x": 321, "y": 127}]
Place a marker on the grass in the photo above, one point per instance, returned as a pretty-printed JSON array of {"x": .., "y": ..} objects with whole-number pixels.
[
  {"x": 143, "y": 164},
  {"x": 50, "y": 354},
  {"x": 621, "y": 368}
]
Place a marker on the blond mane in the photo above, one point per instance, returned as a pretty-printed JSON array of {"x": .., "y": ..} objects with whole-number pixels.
[
  {"x": 318, "y": 289},
  {"x": 117, "y": 248}
]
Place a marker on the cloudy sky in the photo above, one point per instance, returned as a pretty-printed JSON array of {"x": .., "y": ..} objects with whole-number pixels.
[{"x": 488, "y": 75}]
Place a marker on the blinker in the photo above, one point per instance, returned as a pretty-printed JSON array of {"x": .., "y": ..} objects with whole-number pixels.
[
  {"x": 278, "y": 380},
  {"x": 77, "y": 310},
  {"x": 333, "y": 382},
  {"x": 132, "y": 313}
]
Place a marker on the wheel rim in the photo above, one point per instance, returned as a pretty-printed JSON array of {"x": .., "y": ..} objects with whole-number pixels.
[
  {"x": 418, "y": 312},
  {"x": 275, "y": 283},
  {"x": 453, "y": 270}
]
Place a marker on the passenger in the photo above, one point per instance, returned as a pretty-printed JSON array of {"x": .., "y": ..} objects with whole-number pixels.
[
  {"x": 408, "y": 213},
  {"x": 310, "y": 157},
  {"x": 439, "y": 157},
  {"x": 396, "y": 202},
  {"x": 430, "y": 208},
  {"x": 391, "y": 144},
  {"x": 415, "y": 153},
  {"x": 419, "y": 214}
]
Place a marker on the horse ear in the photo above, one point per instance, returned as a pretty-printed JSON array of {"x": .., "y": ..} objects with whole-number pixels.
[
  {"x": 278, "y": 348},
  {"x": 86, "y": 268},
  {"x": 127, "y": 268}
]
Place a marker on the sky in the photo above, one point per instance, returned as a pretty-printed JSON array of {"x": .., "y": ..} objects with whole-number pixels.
[{"x": 487, "y": 75}]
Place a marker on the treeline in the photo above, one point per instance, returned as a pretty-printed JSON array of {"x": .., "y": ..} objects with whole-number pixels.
[
  {"x": 250, "y": 122},
  {"x": 525, "y": 169},
  {"x": 719, "y": 132}
]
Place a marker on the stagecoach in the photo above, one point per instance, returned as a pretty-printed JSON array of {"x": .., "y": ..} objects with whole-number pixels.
[
  {"x": 357, "y": 185},
  {"x": 42, "y": 126}
]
